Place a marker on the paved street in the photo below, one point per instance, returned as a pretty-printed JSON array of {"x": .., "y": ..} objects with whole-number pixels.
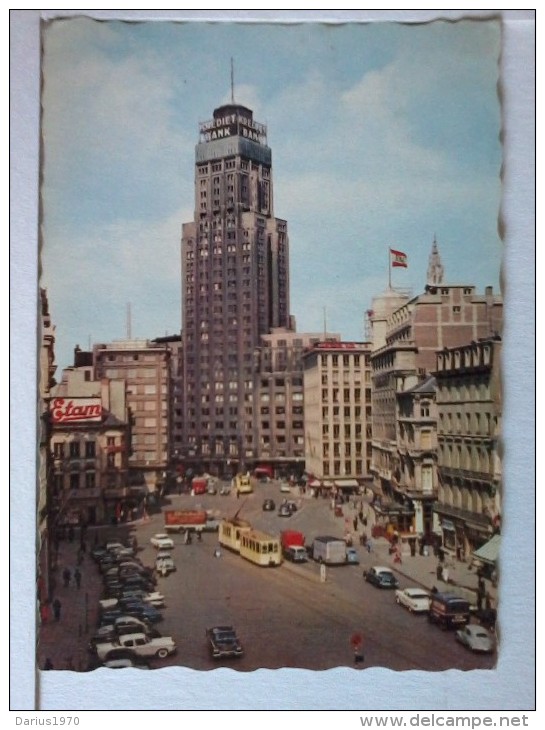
[{"x": 286, "y": 617}]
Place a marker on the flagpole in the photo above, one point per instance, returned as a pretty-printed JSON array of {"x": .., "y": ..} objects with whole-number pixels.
[{"x": 389, "y": 269}]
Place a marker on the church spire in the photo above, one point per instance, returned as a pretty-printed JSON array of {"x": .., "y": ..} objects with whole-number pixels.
[{"x": 435, "y": 267}]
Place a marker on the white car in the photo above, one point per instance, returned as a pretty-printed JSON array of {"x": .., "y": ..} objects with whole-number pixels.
[
  {"x": 155, "y": 599},
  {"x": 476, "y": 638},
  {"x": 417, "y": 600},
  {"x": 285, "y": 488},
  {"x": 161, "y": 541},
  {"x": 137, "y": 644}
]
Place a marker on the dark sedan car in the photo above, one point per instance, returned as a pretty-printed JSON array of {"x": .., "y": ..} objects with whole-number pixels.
[
  {"x": 269, "y": 505},
  {"x": 381, "y": 577},
  {"x": 223, "y": 642},
  {"x": 140, "y": 610}
]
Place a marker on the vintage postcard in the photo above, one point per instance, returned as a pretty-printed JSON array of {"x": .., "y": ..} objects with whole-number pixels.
[{"x": 271, "y": 358}]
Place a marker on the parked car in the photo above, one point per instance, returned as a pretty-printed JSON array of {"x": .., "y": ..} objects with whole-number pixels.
[
  {"x": 476, "y": 638},
  {"x": 268, "y": 505},
  {"x": 223, "y": 642},
  {"x": 138, "y": 644},
  {"x": 109, "y": 616},
  {"x": 292, "y": 506},
  {"x": 285, "y": 488},
  {"x": 284, "y": 511},
  {"x": 154, "y": 598},
  {"x": 162, "y": 541},
  {"x": 127, "y": 663},
  {"x": 380, "y": 577},
  {"x": 110, "y": 632},
  {"x": 225, "y": 491},
  {"x": 211, "y": 489},
  {"x": 352, "y": 557},
  {"x": 140, "y": 609},
  {"x": 416, "y": 600}
]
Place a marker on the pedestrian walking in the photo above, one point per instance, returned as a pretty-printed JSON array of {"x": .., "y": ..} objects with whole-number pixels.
[
  {"x": 57, "y": 605},
  {"x": 445, "y": 574},
  {"x": 45, "y": 612},
  {"x": 77, "y": 577},
  {"x": 355, "y": 523},
  {"x": 66, "y": 575}
]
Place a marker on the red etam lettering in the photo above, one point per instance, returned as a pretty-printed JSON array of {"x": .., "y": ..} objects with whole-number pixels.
[{"x": 63, "y": 411}]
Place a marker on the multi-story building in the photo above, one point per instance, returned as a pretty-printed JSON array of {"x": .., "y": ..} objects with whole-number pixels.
[
  {"x": 337, "y": 397},
  {"x": 144, "y": 367},
  {"x": 278, "y": 404},
  {"x": 176, "y": 419},
  {"x": 408, "y": 338},
  {"x": 46, "y": 382},
  {"x": 235, "y": 285},
  {"x": 89, "y": 441},
  {"x": 416, "y": 475},
  {"x": 469, "y": 418}
]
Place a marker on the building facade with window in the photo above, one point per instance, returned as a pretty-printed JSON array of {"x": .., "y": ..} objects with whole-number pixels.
[
  {"x": 46, "y": 383},
  {"x": 235, "y": 286},
  {"x": 143, "y": 367},
  {"x": 338, "y": 412},
  {"x": 469, "y": 412},
  {"x": 443, "y": 316},
  {"x": 416, "y": 475},
  {"x": 278, "y": 404},
  {"x": 89, "y": 443}
]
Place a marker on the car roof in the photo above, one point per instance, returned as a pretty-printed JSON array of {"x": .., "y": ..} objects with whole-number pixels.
[
  {"x": 414, "y": 591},
  {"x": 221, "y": 628},
  {"x": 381, "y": 569}
]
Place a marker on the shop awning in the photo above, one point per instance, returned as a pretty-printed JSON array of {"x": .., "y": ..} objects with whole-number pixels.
[
  {"x": 488, "y": 553},
  {"x": 346, "y": 483}
]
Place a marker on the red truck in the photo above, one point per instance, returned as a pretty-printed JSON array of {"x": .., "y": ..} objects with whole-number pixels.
[
  {"x": 184, "y": 519},
  {"x": 199, "y": 485},
  {"x": 293, "y": 546}
]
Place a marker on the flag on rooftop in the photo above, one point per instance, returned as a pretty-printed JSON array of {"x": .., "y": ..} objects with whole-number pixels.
[{"x": 398, "y": 258}]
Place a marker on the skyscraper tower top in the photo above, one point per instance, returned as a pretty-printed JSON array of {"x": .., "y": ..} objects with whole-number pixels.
[{"x": 233, "y": 121}]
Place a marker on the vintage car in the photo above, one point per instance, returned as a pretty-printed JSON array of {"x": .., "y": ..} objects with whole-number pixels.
[
  {"x": 416, "y": 600},
  {"x": 476, "y": 638},
  {"x": 380, "y": 577},
  {"x": 223, "y": 642}
]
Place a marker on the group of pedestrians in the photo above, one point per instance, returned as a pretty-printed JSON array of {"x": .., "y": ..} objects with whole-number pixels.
[{"x": 67, "y": 577}]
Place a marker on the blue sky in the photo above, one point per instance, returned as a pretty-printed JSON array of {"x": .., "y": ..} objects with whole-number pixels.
[{"x": 382, "y": 134}]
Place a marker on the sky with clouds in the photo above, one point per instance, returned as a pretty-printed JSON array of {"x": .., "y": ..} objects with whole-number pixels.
[{"x": 382, "y": 134}]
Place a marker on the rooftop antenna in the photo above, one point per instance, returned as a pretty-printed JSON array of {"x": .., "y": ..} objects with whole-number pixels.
[{"x": 232, "y": 82}]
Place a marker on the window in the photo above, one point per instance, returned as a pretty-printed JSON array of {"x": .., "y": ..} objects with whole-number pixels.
[
  {"x": 90, "y": 480},
  {"x": 74, "y": 480},
  {"x": 58, "y": 451},
  {"x": 90, "y": 450},
  {"x": 74, "y": 450}
]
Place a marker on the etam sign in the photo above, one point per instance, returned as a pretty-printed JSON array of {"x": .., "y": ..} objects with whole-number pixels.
[{"x": 65, "y": 410}]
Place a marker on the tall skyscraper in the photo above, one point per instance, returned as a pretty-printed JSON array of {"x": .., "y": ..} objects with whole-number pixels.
[{"x": 235, "y": 285}]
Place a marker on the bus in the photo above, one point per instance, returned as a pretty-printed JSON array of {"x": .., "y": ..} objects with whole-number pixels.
[
  {"x": 243, "y": 484},
  {"x": 231, "y": 531},
  {"x": 260, "y": 548}
]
